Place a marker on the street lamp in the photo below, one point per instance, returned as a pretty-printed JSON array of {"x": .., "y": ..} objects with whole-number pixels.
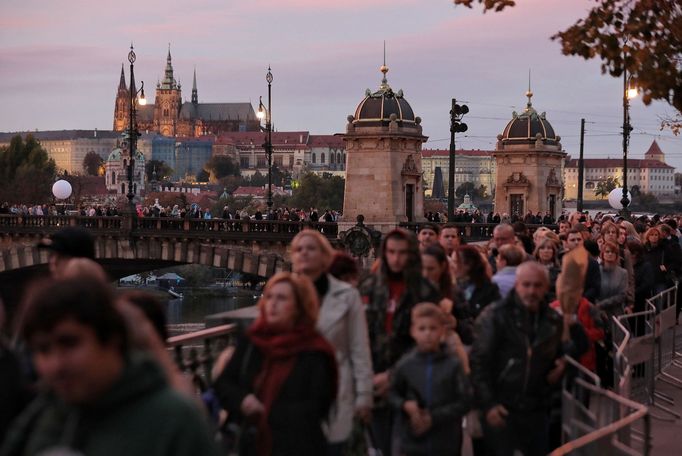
[
  {"x": 266, "y": 114},
  {"x": 456, "y": 125},
  {"x": 628, "y": 93},
  {"x": 132, "y": 129}
]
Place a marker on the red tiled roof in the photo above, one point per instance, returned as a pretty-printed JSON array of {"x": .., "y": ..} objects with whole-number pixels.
[
  {"x": 325, "y": 141},
  {"x": 654, "y": 149},
  {"x": 617, "y": 162},
  {"x": 445, "y": 152}
]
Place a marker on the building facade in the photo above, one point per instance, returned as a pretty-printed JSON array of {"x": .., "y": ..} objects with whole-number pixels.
[
  {"x": 68, "y": 148},
  {"x": 294, "y": 152},
  {"x": 116, "y": 170},
  {"x": 169, "y": 115},
  {"x": 530, "y": 165},
  {"x": 649, "y": 175},
  {"x": 475, "y": 166}
]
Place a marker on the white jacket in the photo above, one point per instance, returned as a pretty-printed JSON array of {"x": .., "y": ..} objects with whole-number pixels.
[{"x": 342, "y": 322}]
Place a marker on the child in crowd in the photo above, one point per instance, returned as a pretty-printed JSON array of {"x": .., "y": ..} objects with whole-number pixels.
[{"x": 430, "y": 388}]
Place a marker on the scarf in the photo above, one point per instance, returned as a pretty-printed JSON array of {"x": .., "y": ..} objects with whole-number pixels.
[{"x": 280, "y": 351}]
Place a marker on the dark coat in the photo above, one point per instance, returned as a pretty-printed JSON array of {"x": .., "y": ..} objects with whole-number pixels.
[
  {"x": 471, "y": 305},
  {"x": 506, "y": 367},
  {"x": 592, "y": 289},
  {"x": 301, "y": 406},
  {"x": 387, "y": 349},
  {"x": 138, "y": 416},
  {"x": 438, "y": 383}
]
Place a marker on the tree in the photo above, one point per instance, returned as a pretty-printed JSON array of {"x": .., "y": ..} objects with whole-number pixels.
[
  {"x": 606, "y": 186},
  {"x": 641, "y": 36},
  {"x": 221, "y": 166},
  {"x": 91, "y": 163},
  {"x": 163, "y": 171},
  {"x": 470, "y": 188},
  {"x": 322, "y": 192},
  {"x": 26, "y": 172},
  {"x": 635, "y": 190}
]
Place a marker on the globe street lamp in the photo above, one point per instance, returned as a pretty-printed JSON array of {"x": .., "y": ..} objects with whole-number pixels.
[
  {"x": 266, "y": 114},
  {"x": 628, "y": 93},
  {"x": 133, "y": 134}
]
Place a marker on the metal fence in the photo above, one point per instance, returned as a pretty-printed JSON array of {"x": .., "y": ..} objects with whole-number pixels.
[{"x": 596, "y": 421}]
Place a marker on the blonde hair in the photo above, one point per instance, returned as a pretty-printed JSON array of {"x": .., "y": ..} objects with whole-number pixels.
[
  {"x": 305, "y": 295},
  {"x": 322, "y": 242}
]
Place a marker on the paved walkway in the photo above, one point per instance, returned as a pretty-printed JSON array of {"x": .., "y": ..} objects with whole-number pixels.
[{"x": 666, "y": 431}]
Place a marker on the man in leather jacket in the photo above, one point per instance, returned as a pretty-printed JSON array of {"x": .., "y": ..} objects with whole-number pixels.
[{"x": 515, "y": 358}]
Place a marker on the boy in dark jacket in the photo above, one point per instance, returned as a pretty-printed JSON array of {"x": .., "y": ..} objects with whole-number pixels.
[{"x": 430, "y": 388}]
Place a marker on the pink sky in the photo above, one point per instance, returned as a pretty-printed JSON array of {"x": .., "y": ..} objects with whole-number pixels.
[{"x": 60, "y": 64}]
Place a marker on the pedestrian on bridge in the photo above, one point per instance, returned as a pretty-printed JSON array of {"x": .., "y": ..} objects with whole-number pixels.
[
  {"x": 99, "y": 397},
  {"x": 281, "y": 381},
  {"x": 342, "y": 322}
]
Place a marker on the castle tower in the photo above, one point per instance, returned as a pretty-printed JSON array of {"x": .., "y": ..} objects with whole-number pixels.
[
  {"x": 122, "y": 105},
  {"x": 383, "y": 168},
  {"x": 168, "y": 101},
  {"x": 655, "y": 153},
  {"x": 530, "y": 165}
]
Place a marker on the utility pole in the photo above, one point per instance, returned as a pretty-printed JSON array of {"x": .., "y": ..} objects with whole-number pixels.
[{"x": 581, "y": 166}]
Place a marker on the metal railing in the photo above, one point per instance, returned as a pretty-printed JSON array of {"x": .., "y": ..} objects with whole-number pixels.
[
  {"x": 275, "y": 230},
  {"x": 643, "y": 351},
  {"x": 195, "y": 352}
]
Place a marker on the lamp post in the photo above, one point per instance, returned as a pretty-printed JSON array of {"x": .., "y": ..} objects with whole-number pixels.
[
  {"x": 627, "y": 128},
  {"x": 132, "y": 129},
  {"x": 266, "y": 114},
  {"x": 456, "y": 125}
]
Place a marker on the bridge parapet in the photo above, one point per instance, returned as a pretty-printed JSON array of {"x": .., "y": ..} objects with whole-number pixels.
[{"x": 253, "y": 247}]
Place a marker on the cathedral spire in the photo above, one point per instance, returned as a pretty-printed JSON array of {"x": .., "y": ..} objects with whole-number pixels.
[
  {"x": 168, "y": 82},
  {"x": 195, "y": 96},
  {"x": 122, "y": 82}
]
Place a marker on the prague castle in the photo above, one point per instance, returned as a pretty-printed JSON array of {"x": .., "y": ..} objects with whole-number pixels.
[{"x": 170, "y": 116}]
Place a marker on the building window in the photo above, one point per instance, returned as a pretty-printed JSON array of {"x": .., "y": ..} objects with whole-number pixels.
[
  {"x": 244, "y": 162},
  {"x": 331, "y": 158},
  {"x": 261, "y": 161},
  {"x": 322, "y": 158},
  {"x": 314, "y": 159}
]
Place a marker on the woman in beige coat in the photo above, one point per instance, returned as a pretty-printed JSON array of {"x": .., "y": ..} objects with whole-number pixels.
[{"x": 342, "y": 322}]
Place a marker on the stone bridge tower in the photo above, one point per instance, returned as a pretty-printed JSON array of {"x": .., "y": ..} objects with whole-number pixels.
[
  {"x": 383, "y": 166},
  {"x": 530, "y": 165}
]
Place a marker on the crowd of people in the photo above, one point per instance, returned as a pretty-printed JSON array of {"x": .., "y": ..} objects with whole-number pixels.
[{"x": 439, "y": 343}]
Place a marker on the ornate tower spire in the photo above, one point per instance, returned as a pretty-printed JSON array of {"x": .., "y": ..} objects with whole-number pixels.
[
  {"x": 168, "y": 80},
  {"x": 195, "y": 96},
  {"x": 529, "y": 93},
  {"x": 122, "y": 82},
  {"x": 384, "y": 69}
]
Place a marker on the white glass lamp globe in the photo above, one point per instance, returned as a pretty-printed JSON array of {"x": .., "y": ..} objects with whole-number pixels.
[
  {"x": 61, "y": 189},
  {"x": 616, "y": 195}
]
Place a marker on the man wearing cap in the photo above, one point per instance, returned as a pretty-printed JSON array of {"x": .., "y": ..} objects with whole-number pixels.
[
  {"x": 428, "y": 234},
  {"x": 65, "y": 244}
]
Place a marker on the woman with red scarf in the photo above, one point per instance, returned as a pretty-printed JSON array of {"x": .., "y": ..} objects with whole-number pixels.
[{"x": 282, "y": 378}]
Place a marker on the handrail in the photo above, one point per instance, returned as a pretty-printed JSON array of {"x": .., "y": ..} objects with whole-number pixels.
[
  {"x": 640, "y": 412},
  {"x": 216, "y": 331}
]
